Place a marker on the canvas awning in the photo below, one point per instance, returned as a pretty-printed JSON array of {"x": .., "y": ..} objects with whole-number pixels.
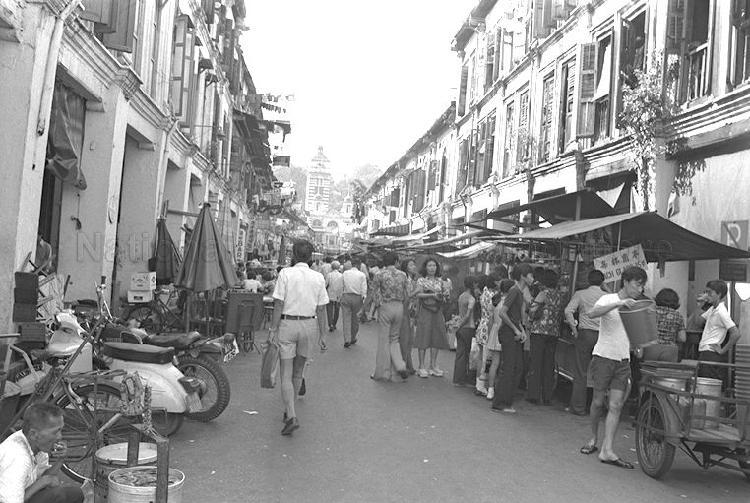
[
  {"x": 415, "y": 237},
  {"x": 661, "y": 239},
  {"x": 392, "y": 230},
  {"x": 447, "y": 241},
  {"x": 470, "y": 251},
  {"x": 560, "y": 208}
]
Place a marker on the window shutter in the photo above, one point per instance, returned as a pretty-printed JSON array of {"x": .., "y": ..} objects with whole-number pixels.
[
  {"x": 463, "y": 152},
  {"x": 103, "y": 13},
  {"x": 489, "y": 148},
  {"x": 542, "y": 17},
  {"x": 121, "y": 39},
  {"x": 545, "y": 143},
  {"x": 433, "y": 175},
  {"x": 586, "y": 89},
  {"x": 182, "y": 65},
  {"x": 675, "y": 26},
  {"x": 472, "y": 158},
  {"x": 523, "y": 122},
  {"x": 462, "y": 93},
  {"x": 208, "y": 9},
  {"x": 498, "y": 52}
]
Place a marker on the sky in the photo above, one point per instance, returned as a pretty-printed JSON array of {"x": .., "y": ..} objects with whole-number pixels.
[{"x": 369, "y": 78}]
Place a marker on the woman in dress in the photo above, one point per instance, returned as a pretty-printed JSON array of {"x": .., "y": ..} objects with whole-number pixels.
[
  {"x": 406, "y": 340},
  {"x": 488, "y": 285},
  {"x": 493, "y": 342},
  {"x": 430, "y": 322},
  {"x": 545, "y": 314}
]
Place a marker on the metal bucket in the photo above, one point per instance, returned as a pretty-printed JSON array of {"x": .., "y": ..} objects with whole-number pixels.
[
  {"x": 711, "y": 387},
  {"x": 112, "y": 457},
  {"x": 640, "y": 321},
  {"x": 124, "y": 493}
]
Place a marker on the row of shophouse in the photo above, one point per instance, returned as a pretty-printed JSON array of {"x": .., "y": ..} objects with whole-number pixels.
[
  {"x": 117, "y": 113},
  {"x": 537, "y": 114}
]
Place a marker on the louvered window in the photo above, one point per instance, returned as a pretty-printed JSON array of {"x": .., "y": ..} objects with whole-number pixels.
[
  {"x": 740, "y": 70},
  {"x": 567, "y": 103},
  {"x": 545, "y": 137},
  {"x": 508, "y": 144},
  {"x": 586, "y": 89},
  {"x": 523, "y": 128}
]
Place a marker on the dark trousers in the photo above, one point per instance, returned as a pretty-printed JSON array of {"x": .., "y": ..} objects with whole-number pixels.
[
  {"x": 710, "y": 370},
  {"x": 332, "y": 309},
  {"x": 542, "y": 375},
  {"x": 507, "y": 381},
  {"x": 584, "y": 347},
  {"x": 62, "y": 494},
  {"x": 461, "y": 373}
]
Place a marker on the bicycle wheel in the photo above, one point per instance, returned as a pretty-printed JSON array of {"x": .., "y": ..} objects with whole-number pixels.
[
  {"x": 148, "y": 318},
  {"x": 82, "y": 422}
]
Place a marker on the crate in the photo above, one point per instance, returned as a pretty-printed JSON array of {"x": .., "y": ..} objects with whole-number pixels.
[
  {"x": 143, "y": 281},
  {"x": 33, "y": 332},
  {"x": 24, "y": 312},
  {"x": 28, "y": 281}
]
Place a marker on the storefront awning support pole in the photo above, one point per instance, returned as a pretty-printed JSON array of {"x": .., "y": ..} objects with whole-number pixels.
[{"x": 574, "y": 278}]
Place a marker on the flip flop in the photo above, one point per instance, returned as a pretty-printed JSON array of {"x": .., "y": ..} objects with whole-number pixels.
[
  {"x": 589, "y": 449},
  {"x": 618, "y": 463}
]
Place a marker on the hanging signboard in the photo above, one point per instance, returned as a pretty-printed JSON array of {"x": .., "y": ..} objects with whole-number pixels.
[{"x": 613, "y": 264}]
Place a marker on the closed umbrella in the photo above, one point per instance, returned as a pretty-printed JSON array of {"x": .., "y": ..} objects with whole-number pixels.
[
  {"x": 207, "y": 264},
  {"x": 166, "y": 258}
]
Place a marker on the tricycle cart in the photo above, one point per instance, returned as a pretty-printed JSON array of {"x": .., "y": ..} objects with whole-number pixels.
[{"x": 680, "y": 409}]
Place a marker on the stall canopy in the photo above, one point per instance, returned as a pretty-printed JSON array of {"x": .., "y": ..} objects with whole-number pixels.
[
  {"x": 432, "y": 245},
  {"x": 560, "y": 208},
  {"x": 392, "y": 230},
  {"x": 415, "y": 237},
  {"x": 470, "y": 251},
  {"x": 662, "y": 239}
]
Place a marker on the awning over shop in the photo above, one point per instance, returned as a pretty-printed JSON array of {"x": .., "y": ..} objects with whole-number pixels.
[
  {"x": 415, "y": 237},
  {"x": 470, "y": 251},
  {"x": 661, "y": 239},
  {"x": 447, "y": 241},
  {"x": 560, "y": 208}
]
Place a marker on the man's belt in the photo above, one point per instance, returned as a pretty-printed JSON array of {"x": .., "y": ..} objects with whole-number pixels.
[{"x": 293, "y": 317}]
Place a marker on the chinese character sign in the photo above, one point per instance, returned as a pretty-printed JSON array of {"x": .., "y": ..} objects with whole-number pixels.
[{"x": 613, "y": 264}]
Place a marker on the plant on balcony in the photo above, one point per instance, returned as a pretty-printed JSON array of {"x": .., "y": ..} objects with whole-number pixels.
[{"x": 646, "y": 107}]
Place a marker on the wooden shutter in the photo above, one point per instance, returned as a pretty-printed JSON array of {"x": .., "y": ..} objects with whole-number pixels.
[
  {"x": 462, "y": 91},
  {"x": 567, "y": 105},
  {"x": 489, "y": 62},
  {"x": 103, "y": 13},
  {"x": 498, "y": 52},
  {"x": 208, "y": 9},
  {"x": 542, "y": 17},
  {"x": 121, "y": 39},
  {"x": 432, "y": 175},
  {"x": 489, "y": 147},
  {"x": 463, "y": 153},
  {"x": 586, "y": 89},
  {"x": 507, "y": 54},
  {"x": 545, "y": 145},
  {"x": 182, "y": 65},
  {"x": 523, "y": 125},
  {"x": 675, "y": 26},
  {"x": 471, "y": 169},
  {"x": 420, "y": 192}
]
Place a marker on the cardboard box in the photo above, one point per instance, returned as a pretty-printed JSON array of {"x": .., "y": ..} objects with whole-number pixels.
[
  {"x": 140, "y": 296},
  {"x": 143, "y": 281}
]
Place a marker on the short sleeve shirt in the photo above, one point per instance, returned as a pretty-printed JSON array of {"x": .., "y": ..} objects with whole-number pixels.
[
  {"x": 301, "y": 289},
  {"x": 669, "y": 323},
  {"x": 718, "y": 322},
  {"x": 390, "y": 285},
  {"x": 613, "y": 342},
  {"x": 514, "y": 302}
]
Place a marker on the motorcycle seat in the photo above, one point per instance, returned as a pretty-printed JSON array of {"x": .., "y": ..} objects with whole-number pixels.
[
  {"x": 176, "y": 340},
  {"x": 143, "y": 353}
]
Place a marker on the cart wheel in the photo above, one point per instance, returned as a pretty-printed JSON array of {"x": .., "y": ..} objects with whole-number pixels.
[{"x": 655, "y": 453}]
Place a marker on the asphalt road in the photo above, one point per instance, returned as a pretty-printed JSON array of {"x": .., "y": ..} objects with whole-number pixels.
[{"x": 423, "y": 440}]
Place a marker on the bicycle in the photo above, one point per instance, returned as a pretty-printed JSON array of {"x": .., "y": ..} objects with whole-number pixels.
[{"x": 156, "y": 316}]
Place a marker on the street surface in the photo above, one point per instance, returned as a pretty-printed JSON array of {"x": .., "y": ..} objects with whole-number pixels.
[{"x": 423, "y": 440}]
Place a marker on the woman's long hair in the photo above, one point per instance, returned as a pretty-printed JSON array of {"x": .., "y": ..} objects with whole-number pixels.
[{"x": 423, "y": 269}]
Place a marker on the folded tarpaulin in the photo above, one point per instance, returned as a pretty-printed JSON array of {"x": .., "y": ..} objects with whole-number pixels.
[
  {"x": 65, "y": 138},
  {"x": 661, "y": 239}
]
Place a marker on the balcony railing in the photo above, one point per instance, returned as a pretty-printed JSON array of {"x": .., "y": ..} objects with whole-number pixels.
[{"x": 698, "y": 74}]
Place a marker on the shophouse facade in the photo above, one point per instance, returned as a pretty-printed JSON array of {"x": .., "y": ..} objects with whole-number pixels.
[
  {"x": 117, "y": 113},
  {"x": 537, "y": 114}
]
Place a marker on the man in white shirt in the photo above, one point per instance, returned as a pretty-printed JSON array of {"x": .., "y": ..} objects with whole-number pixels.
[
  {"x": 610, "y": 364},
  {"x": 719, "y": 334},
  {"x": 335, "y": 288},
  {"x": 327, "y": 266},
  {"x": 299, "y": 311},
  {"x": 354, "y": 291},
  {"x": 586, "y": 333},
  {"x": 25, "y": 474}
]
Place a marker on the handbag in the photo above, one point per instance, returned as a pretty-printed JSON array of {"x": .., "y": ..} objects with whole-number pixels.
[{"x": 270, "y": 366}]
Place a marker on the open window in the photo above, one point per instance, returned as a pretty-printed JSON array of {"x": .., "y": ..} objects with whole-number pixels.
[
  {"x": 689, "y": 42},
  {"x": 183, "y": 49},
  {"x": 567, "y": 102},
  {"x": 545, "y": 136},
  {"x": 463, "y": 165},
  {"x": 603, "y": 92},
  {"x": 508, "y": 143},
  {"x": 523, "y": 128},
  {"x": 632, "y": 48},
  {"x": 489, "y": 65},
  {"x": 463, "y": 90},
  {"x": 740, "y": 43}
]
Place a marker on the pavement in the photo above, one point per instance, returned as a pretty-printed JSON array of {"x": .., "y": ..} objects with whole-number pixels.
[{"x": 423, "y": 440}]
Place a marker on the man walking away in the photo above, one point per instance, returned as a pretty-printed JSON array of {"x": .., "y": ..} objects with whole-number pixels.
[
  {"x": 299, "y": 312},
  {"x": 719, "y": 334},
  {"x": 335, "y": 287},
  {"x": 512, "y": 336},
  {"x": 25, "y": 474},
  {"x": 585, "y": 332},
  {"x": 354, "y": 290},
  {"x": 465, "y": 332},
  {"x": 610, "y": 364}
]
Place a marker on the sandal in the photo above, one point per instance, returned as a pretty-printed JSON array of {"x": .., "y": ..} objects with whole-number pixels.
[
  {"x": 618, "y": 463},
  {"x": 589, "y": 449}
]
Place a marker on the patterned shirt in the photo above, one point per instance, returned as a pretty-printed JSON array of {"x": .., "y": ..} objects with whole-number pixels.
[
  {"x": 483, "y": 329},
  {"x": 668, "y": 323},
  {"x": 389, "y": 285},
  {"x": 548, "y": 321}
]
